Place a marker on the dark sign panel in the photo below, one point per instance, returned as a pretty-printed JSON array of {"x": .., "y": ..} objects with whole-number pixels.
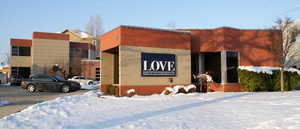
[{"x": 155, "y": 64}]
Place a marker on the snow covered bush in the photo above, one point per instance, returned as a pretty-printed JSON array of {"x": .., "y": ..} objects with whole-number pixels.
[
  {"x": 190, "y": 88},
  {"x": 168, "y": 91},
  {"x": 130, "y": 92},
  {"x": 179, "y": 89},
  {"x": 266, "y": 78}
]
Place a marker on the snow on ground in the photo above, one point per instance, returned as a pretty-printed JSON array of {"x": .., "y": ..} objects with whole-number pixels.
[
  {"x": 89, "y": 87},
  {"x": 217, "y": 110},
  {"x": 6, "y": 84},
  {"x": 265, "y": 69},
  {"x": 2, "y": 103}
]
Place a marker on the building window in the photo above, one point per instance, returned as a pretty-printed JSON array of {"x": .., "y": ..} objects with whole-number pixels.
[
  {"x": 232, "y": 65},
  {"x": 84, "y": 53},
  {"x": 20, "y": 72},
  {"x": 20, "y": 51},
  {"x": 15, "y": 51},
  {"x": 98, "y": 74},
  {"x": 79, "y": 53}
]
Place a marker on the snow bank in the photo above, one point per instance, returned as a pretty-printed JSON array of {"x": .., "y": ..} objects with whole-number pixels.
[
  {"x": 130, "y": 91},
  {"x": 177, "y": 88},
  {"x": 2, "y": 103},
  {"x": 6, "y": 84},
  {"x": 189, "y": 87},
  {"x": 265, "y": 69},
  {"x": 89, "y": 87},
  {"x": 216, "y": 110}
]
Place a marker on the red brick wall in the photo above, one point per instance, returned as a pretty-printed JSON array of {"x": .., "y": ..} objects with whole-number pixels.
[
  {"x": 110, "y": 39},
  {"x": 21, "y": 42},
  {"x": 136, "y": 36},
  {"x": 144, "y": 90},
  {"x": 51, "y": 36},
  {"x": 88, "y": 69},
  {"x": 224, "y": 87},
  {"x": 207, "y": 40},
  {"x": 254, "y": 46}
]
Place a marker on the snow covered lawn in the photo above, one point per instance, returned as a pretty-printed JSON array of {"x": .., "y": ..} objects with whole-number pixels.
[{"x": 265, "y": 110}]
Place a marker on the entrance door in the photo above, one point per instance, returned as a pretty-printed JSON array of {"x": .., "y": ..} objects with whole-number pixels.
[{"x": 212, "y": 65}]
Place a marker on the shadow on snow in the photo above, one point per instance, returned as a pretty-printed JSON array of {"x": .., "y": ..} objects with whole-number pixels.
[{"x": 135, "y": 117}]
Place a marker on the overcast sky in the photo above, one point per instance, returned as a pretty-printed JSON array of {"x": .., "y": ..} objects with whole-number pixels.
[{"x": 19, "y": 18}]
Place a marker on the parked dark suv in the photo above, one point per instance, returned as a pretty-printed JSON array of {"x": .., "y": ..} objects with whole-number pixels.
[{"x": 44, "y": 82}]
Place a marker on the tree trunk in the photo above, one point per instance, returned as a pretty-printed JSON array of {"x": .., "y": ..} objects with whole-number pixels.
[{"x": 282, "y": 79}]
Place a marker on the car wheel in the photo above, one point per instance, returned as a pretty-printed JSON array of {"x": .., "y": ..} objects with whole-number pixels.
[
  {"x": 65, "y": 89},
  {"x": 31, "y": 88},
  {"x": 90, "y": 83}
]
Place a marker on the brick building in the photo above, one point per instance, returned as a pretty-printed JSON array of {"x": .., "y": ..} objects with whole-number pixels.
[
  {"x": 90, "y": 69},
  {"x": 149, "y": 59},
  {"x": 67, "y": 49},
  {"x": 39, "y": 54}
]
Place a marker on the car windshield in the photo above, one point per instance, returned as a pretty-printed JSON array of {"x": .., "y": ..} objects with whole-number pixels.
[{"x": 57, "y": 77}]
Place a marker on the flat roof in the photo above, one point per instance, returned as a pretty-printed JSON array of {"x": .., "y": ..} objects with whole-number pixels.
[{"x": 159, "y": 29}]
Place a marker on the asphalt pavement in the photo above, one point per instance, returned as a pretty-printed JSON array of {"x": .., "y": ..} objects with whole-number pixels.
[{"x": 20, "y": 99}]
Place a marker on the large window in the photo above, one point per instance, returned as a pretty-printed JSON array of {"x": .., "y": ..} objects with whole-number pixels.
[
  {"x": 20, "y": 51},
  {"x": 79, "y": 53},
  {"x": 212, "y": 65},
  {"x": 20, "y": 72},
  {"x": 232, "y": 65}
]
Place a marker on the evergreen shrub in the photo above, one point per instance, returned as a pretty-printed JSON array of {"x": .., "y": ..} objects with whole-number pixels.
[{"x": 253, "y": 81}]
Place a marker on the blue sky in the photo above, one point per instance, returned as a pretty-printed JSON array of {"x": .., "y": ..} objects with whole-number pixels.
[{"x": 19, "y": 18}]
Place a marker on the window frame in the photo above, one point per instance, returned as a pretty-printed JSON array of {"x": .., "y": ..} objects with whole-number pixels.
[{"x": 16, "y": 51}]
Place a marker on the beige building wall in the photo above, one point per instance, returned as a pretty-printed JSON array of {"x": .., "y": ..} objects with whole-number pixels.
[
  {"x": 130, "y": 66},
  {"x": 107, "y": 71},
  {"x": 21, "y": 61},
  {"x": 47, "y": 53},
  {"x": 76, "y": 38}
]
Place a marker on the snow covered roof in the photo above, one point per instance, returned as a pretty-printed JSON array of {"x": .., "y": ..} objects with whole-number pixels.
[{"x": 80, "y": 33}]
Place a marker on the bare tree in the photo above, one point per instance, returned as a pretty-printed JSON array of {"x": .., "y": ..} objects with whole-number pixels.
[
  {"x": 94, "y": 27},
  {"x": 6, "y": 58},
  {"x": 284, "y": 45}
]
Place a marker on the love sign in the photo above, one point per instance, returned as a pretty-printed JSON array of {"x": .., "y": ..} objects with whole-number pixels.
[{"x": 157, "y": 64}]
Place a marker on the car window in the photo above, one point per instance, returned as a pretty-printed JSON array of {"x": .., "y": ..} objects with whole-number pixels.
[
  {"x": 57, "y": 77},
  {"x": 42, "y": 78},
  {"x": 82, "y": 78},
  {"x": 75, "y": 77}
]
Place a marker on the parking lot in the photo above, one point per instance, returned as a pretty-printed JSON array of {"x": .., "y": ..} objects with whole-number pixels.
[{"x": 19, "y": 98}]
